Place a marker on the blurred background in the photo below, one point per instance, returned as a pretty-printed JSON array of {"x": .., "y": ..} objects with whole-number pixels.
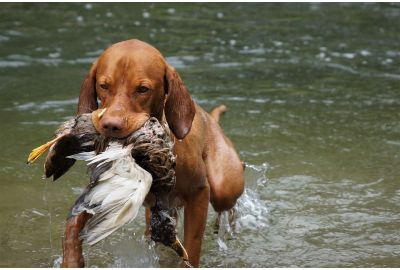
[{"x": 313, "y": 96}]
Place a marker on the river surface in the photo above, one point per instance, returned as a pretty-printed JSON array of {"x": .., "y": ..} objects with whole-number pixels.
[{"x": 314, "y": 110}]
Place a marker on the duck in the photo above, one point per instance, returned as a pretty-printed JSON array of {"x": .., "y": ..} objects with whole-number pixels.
[{"x": 122, "y": 173}]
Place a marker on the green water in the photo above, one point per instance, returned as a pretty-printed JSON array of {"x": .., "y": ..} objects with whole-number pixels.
[{"x": 313, "y": 96}]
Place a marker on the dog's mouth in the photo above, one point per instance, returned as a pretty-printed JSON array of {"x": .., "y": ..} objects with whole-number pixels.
[{"x": 117, "y": 127}]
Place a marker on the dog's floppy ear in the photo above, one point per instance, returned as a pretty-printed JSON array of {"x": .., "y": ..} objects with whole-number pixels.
[
  {"x": 87, "y": 97},
  {"x": 179, "y": 106}
]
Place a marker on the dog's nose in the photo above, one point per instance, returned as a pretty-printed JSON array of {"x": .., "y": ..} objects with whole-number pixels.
[{"x": 113, "y": 126}]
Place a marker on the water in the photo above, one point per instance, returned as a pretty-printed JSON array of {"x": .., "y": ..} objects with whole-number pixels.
[{"x": 313, "y": 97}]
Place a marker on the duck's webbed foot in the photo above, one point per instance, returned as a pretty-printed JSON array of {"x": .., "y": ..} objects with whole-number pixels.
[{"x": 163, "y": 227}]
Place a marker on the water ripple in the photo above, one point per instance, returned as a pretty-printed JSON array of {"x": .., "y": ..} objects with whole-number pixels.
[
  {"x": 45, "y": 105},
  {"x": 14, "y": 61}
]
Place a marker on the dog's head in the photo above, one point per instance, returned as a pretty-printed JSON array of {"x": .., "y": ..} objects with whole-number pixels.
[{"x": 134, "y": 82}]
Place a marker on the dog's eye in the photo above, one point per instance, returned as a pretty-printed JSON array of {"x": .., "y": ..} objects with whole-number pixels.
[
  {"x": 143, "y": 89},
  {"x": 104, "y": 86}
]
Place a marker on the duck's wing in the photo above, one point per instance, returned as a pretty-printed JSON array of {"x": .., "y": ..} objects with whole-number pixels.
[
  {"x": 57, "y": 163},
  {"x": 117, "y": 190},
  {"x": 73, "y": 136}
]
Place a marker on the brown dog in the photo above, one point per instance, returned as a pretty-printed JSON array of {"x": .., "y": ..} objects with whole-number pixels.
[{"x": 134, "y": 82}]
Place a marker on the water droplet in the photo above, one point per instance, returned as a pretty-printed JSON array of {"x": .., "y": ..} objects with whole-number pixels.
[
  {"x": 365, "y": 53},
  {"x": 146, "y": 14},
  {"x": 222, "y": 245},
  {"x": 88, "y": 6},
  {"x": 79, "y": 19}
]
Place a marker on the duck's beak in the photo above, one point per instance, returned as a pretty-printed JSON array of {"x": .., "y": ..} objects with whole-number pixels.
[
  {"x": 181, "y": 251},
  {"x": 38, "y": 151}
]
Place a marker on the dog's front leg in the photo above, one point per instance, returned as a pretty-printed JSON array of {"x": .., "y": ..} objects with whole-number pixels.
[
  {"x": 196, "y": 209},
  {"x": 72, "y": 246}
]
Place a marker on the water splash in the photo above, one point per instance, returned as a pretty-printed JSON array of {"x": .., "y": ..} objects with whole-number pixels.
[
  {"x": 256, "y": 174},
  {"x": 222, "y": 245},
  {"x": 57, "y": 261},
  {"x": 250, "y": 211}
]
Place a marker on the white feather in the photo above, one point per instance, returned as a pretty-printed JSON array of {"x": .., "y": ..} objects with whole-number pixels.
[
  {"x": 118, "y": 195},
  {"x": 83, "y": 155}
]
